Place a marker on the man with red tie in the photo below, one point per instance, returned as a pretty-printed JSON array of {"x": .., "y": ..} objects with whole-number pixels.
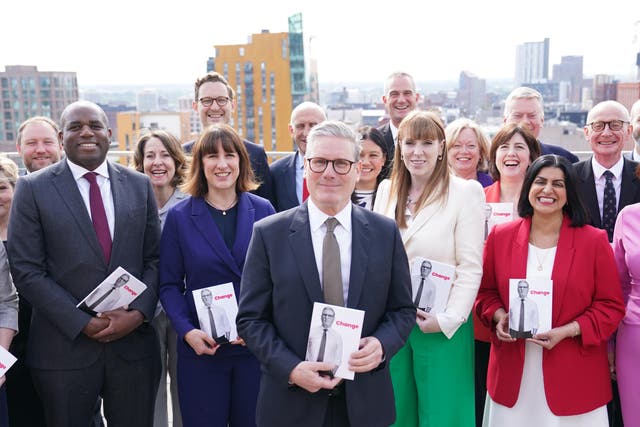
[
  {"x": 71, "y": 225},
  {"x": 289, "y": 187}
]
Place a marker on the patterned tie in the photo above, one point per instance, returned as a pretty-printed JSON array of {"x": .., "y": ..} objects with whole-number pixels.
[
  {"x": 98, "y": 215},
  {"x": 609, "y": 205},
  {"x": 521, "y": 323},
  {"x": 323, "y": 345},
  {"x": 212, "y": 324},
  {"x": 331, "y": 271}
]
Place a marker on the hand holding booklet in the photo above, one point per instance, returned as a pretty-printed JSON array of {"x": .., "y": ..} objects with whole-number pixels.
[
  {"x": 217, "y": 309},
  {"x": 334, "y": 333},
  {"x": 119, "y": 289}
]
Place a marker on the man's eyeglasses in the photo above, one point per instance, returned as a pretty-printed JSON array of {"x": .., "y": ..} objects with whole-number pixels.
[
  {"x": 614, "y": 125},
  {"x": 220, "y": 100},
  {"x": 340, "y": 166}
]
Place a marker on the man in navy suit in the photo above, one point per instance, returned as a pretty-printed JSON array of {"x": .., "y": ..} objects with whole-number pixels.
[
  {"x": 71, "y": 225},
  {"x": 400, "y": 98},
  {"x": 635, "y": 133},
  {"x": 215, "y": 102},
  {"x": 287, "y": 172},
  {"x": 524, "y": 106},
  {"x": 281, "y": 281}
]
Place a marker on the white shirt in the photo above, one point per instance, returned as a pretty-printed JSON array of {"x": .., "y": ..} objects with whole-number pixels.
[
  {"x": 598, "y": 175},
  {"x": 343, "y": 235},
  {"x": 105, "y": 189},
  {"x": 394, "y": 132},
  {"x": 299, "y": 175}
]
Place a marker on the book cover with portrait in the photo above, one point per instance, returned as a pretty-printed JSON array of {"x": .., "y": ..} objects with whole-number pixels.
[
  {"x": 431, "y": 284},
  {"x": 217, "y": 308},
  {"x": 496, "y": 213},
  {"x": 6, "y": 360},
  {"x": 119, "y": 289},
  {"x": 530, "y": 306},
  {"x": 334, "y": 333}
]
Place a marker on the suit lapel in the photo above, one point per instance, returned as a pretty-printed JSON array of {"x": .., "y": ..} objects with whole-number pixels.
[
  {"x": 423, "y": 217},
  {"x": 290, "y": 179},
  {"x": 68, "y": 192},
  {"x": 302, "y": 249},
  {"x": 588, "y": 184},
  {"x": 629, "y": 187},
  {"x": 359, "y": 258},
  {"x": 244, "y": 228},
  {"x": 207, "y": 227},
  {"x": 121, "y": 206},
  {"x": 561, "y": 266},
  {"x": 520, "y": 251}
]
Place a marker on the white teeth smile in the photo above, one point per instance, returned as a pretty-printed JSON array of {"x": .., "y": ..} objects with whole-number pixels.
[
  {"x": 546, "y": 199},
  {"x": 222, "y": 174}
]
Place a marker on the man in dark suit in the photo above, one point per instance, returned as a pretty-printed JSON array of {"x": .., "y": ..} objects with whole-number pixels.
[
  {"x": 635, "y": 133},
  {"x": 606, "y": 130},
  {"x": 71, "y": 225},
  {"x": 524, "y": 106},
  {"x": 215, "y": 102},
  {"x": 367, "y": 269},
  {"x": 287, "y": 172},
  {"x": 400, "y": 98}
]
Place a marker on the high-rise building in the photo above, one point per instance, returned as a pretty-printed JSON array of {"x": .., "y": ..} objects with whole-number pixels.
[
  {"x": 269, "y": 77},
  {"x": 26, "y": 92},
  {"x": 532, "y": 62},
  {"x": 471, "y": 93},
  {"x": 604, "y": 88},
  {"x": 569, "y": 74},
  {"x": 147, "y": 100}
]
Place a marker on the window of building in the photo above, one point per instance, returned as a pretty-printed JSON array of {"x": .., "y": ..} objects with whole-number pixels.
[
  {"x": 263, "y": 81},
  {"x": 5, "y": 82},
  {"x": 241, "y": 51}
]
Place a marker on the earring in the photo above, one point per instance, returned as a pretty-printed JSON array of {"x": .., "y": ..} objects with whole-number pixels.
[
  {"x": 401, "y": 156},
  {"x": 440, "y": 157}
]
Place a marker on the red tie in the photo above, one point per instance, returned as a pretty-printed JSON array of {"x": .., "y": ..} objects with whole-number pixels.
[
  {"x": 305, "y": 190},
  {"x": 99, "y": 216}
]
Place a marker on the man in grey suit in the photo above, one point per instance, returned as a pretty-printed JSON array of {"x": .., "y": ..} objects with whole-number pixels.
[
  {"x": 71, "y": 225},
  {"x": 287, "y": 172},
  {"x": 363, "y": 265}
]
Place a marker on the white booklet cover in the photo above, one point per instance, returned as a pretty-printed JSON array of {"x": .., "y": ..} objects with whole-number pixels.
[
  {"x": 431, "y": 284},
  {"x": 6, "y": 360},
  {"x": 334, "y": 333},
  {"x": 119, "y": 289},
  {"x": 530, "y": 306},
  {"x": 217, "y": 308},
  {"x": 496, "y": 213}
]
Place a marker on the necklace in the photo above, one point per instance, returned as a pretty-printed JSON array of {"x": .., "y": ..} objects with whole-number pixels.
[
  {"x": 223, "y": 210},
  {"x": 540, "y": 262}
]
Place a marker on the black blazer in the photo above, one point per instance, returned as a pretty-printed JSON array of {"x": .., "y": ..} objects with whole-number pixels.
[
  {"x": 283, "y": 174},
  {"x": 279, "y": 285},
  {"x": 629, "y": 190},
  {"x": 259, "y": 164}
]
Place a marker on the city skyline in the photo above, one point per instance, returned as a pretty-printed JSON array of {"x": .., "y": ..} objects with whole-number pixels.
[{"x": 140, "y": 43}]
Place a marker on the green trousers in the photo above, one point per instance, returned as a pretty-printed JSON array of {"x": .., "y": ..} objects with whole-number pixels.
[{"x": 433, "y": 380}]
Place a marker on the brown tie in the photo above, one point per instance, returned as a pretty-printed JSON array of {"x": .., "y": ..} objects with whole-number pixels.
[{"x": 331, "y": 271}]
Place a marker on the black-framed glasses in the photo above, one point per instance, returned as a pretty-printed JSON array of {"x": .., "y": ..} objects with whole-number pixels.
[
  {"x": 614, "y": 125},
  {"x": 207, "y": 101},
  {"x": 340, "y": 166}
]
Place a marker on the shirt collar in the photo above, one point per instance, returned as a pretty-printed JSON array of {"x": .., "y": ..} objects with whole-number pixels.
[
  {"x": 598, "y": 169},
  {"x": 299, "y": 160},
  {"x": 317, "y": 217},
  {"x": 79, "y": 172},
  {"x": 394, "y": 131}
]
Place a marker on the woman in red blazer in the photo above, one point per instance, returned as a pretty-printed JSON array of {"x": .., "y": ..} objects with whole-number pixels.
[{"x": 561, "y": 374}]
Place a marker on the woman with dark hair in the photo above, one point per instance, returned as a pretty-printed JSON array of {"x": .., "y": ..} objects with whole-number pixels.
[
  {"x": 373, "y": 157},
  {"x": 558, "y": 377},
  {"x": 158, "y": 154},
  {"x": 440, "y": 218},
  {"x": 626, "y": 247},
  {"x": 204, "y": 243}
]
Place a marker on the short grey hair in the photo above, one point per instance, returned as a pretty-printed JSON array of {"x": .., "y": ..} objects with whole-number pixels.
[
  {"x": 336, "y": 129},
  {"x": 523, "y": 92},
  {"x": 395, "y": 75}
]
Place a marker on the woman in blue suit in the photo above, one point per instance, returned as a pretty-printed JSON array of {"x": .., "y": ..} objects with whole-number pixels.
[{"x": 204, "y": 243}]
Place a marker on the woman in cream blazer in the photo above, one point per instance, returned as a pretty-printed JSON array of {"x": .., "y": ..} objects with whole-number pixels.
[{"x": 440, "y": 217}]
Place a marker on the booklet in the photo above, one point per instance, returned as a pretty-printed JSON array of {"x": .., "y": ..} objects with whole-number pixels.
[
  {"x": 496, "y": 213},
  {"x": 119, "y": 289},
  {"x": 334, "y": 333},
  {"x": 431, "y": 284},
  {"x": 6, "y": 360},
  {"x": 217, "y": 308},
  {"x": 530, "y": 304}
]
